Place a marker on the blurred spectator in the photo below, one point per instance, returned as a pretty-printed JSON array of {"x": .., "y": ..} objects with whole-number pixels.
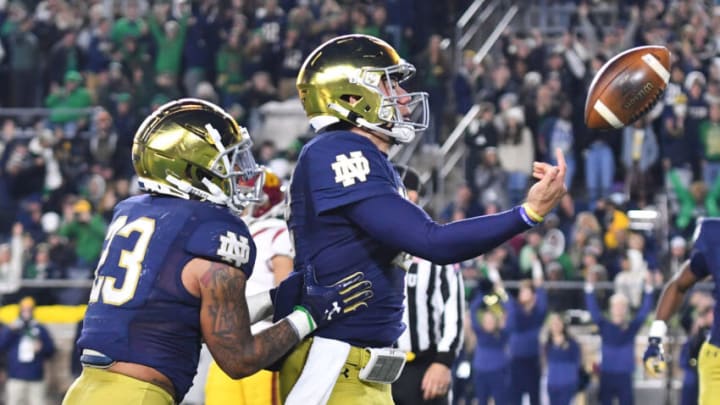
[
  {"x": 563, "y": 357},
  {"x": 229, "y": 67},
  {"x": 65, "y": 56},
  {"x": 11, "y": 263},
  {"x": 130, "y": 24},
  {"x": 292, "y": 59},
  {"x": 675, "y": 257},
  {"x": 694, "y": 202},
  {"x": 680, "y": 148},
  {"x": 103, "y": 146},
  {"x": 599, "y": 167},
  {"x": 491, "y": 180},
  {"x": 529, "y": 255},
  {"x": 260, "y": 91},
  {"x": 491, "y": 377},
  {"x": 525, "y": 317},
  {"x": 169, "y": 37},
  {"x": 201, "y": 42},
  {"x": 618, "y": 341},
  {"x": 28, "y": 344},
  {"x": 433, "y": 71},
  {"x": 465, "y": 83},
  {"x": 84, "y": 230},
  {"x": 556, "y": 133},
  {"x": 24, "y": 171},
  {"x": 515, "y": 152},
  {"x": 709, "y": 133},
  {"x": 479, "y": 135},
  {"x": 463, "y": 206},
  {"x": 640, "y": 152},
  {"x": 24, "y": 47},
  {"x": 65, "y": 102}
]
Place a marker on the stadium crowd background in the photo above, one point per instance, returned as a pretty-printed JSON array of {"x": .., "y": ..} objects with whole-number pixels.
[{"x": 99, "y": 67}]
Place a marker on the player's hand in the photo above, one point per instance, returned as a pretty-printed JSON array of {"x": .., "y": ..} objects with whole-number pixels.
[
  {"x": 547, "y": 193},
  {"x": 328, "y": 303},
  {"x": 436, "y": 381},
  {"x": 654, "y": 358}
]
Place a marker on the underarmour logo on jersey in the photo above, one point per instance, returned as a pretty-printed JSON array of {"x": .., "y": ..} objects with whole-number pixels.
[
  {"x": 347, "y": 169},
  {"x": 234, "y": 250},
  {"x": 335, "y": 310}
]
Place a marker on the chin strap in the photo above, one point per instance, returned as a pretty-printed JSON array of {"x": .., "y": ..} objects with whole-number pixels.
[{"x": 398, "y": 133}]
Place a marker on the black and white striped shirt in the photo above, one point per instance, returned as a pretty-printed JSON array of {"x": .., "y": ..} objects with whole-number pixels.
[{"x": 434, "y": 308}]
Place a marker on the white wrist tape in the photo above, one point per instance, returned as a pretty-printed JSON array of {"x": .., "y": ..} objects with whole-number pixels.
[
  {"x": 259, "y": 306},
  {"x": 658, "y": 329},
  {"x": 589, "y": 288},
  {"x": 302, "y": 322}
]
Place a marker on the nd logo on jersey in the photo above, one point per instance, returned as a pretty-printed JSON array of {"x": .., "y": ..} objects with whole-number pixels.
[
  {"x": 234, "y": 250},
  {"x": 347, "y": 169}
]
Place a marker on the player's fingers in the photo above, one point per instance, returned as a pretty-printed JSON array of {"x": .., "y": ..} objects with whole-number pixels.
[
  {"x": 355, "y": 287},
  {"x": 550, "y": 175},
  {"x": 560, "y": 156},
  {"x": 350, "y": 280},
  {"x": 360, "y": 296}
]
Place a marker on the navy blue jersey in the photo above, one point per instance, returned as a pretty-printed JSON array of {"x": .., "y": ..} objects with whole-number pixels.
[
  {"x": 139, "y": 310},
  {"x": 335, "y": 170},
  {"x": 705, "y": 261}
]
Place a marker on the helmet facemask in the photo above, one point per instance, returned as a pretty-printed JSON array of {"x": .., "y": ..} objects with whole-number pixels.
[
  {"x": 392, "y": 122},
  {"x": 399, "y": 126}
]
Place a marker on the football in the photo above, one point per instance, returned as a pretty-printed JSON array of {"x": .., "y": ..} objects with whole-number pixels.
[{"x": 627, "y": 87}]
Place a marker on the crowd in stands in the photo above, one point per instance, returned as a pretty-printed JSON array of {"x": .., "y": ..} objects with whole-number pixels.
[{"x": 101, "y": 66}]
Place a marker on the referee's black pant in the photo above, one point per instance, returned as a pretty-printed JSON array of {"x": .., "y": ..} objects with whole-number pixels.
[{"x": 407, "y": 390}]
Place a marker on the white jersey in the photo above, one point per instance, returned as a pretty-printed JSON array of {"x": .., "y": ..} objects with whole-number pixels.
[{"x": 271, "y": 239}]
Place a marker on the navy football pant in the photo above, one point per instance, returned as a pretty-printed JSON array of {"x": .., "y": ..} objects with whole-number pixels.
[
  {"x": 525, "y": 378},
  {"x": 616, "y": 385},
  {"x": 491, "y": 384}
]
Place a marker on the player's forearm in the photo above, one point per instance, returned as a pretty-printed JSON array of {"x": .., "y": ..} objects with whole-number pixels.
[
  {"x": 670, "y": 301},
  {"x": 402, "y": 225},
  {"x": 267, "y": 347}
]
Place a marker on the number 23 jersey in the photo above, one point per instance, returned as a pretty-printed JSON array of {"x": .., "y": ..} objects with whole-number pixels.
[{"x": 139, "y": 311}]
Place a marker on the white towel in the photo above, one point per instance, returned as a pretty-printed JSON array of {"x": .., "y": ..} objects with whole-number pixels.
[{"x": 322, "y": 368}]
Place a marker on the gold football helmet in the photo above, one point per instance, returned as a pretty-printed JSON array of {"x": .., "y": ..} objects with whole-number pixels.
[
  {"x": 343, "y": 80},
  {"x": 190, "y": 148}
]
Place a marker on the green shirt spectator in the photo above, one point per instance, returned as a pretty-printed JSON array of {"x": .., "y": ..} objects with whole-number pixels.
[
  {"x": 229, "y": 65},
  {"x": 125, "y": 27},
  {"x": 71, "y": 96},
  {"x": 169, "y": 41},
  {"x": 87, "y": 231}
]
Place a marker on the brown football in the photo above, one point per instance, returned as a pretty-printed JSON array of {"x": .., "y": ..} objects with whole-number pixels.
[{"x": 627, "y": 87}]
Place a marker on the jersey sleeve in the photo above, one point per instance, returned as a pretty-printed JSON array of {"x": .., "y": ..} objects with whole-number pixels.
[
  {"x": 343, "y": 172},
  {"x": 223, "y": 241},
  {"x": 281, "y": 245}
]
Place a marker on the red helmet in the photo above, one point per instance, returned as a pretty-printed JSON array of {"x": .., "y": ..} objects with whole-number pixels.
[{"x": 273, "y": 194}]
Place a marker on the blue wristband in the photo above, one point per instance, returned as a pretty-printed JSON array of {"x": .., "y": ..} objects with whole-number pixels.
[{"x": 526, "y": 218}]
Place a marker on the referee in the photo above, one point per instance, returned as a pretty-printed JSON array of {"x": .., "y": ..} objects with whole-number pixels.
[{"x": 434, "y": 308}]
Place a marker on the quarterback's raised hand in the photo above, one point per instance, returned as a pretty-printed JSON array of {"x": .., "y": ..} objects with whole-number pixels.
[
  {"x": 546, "y": 193},
  {"x": 654, "y": 357}
]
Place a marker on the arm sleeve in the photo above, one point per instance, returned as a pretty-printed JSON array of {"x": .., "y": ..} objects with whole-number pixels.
[
  {"x": 592, "y": 306},
  {"x": 400, "y": 224},
  {"x": 452, "y": 318},
  {"x": 224, "y": 242}
]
